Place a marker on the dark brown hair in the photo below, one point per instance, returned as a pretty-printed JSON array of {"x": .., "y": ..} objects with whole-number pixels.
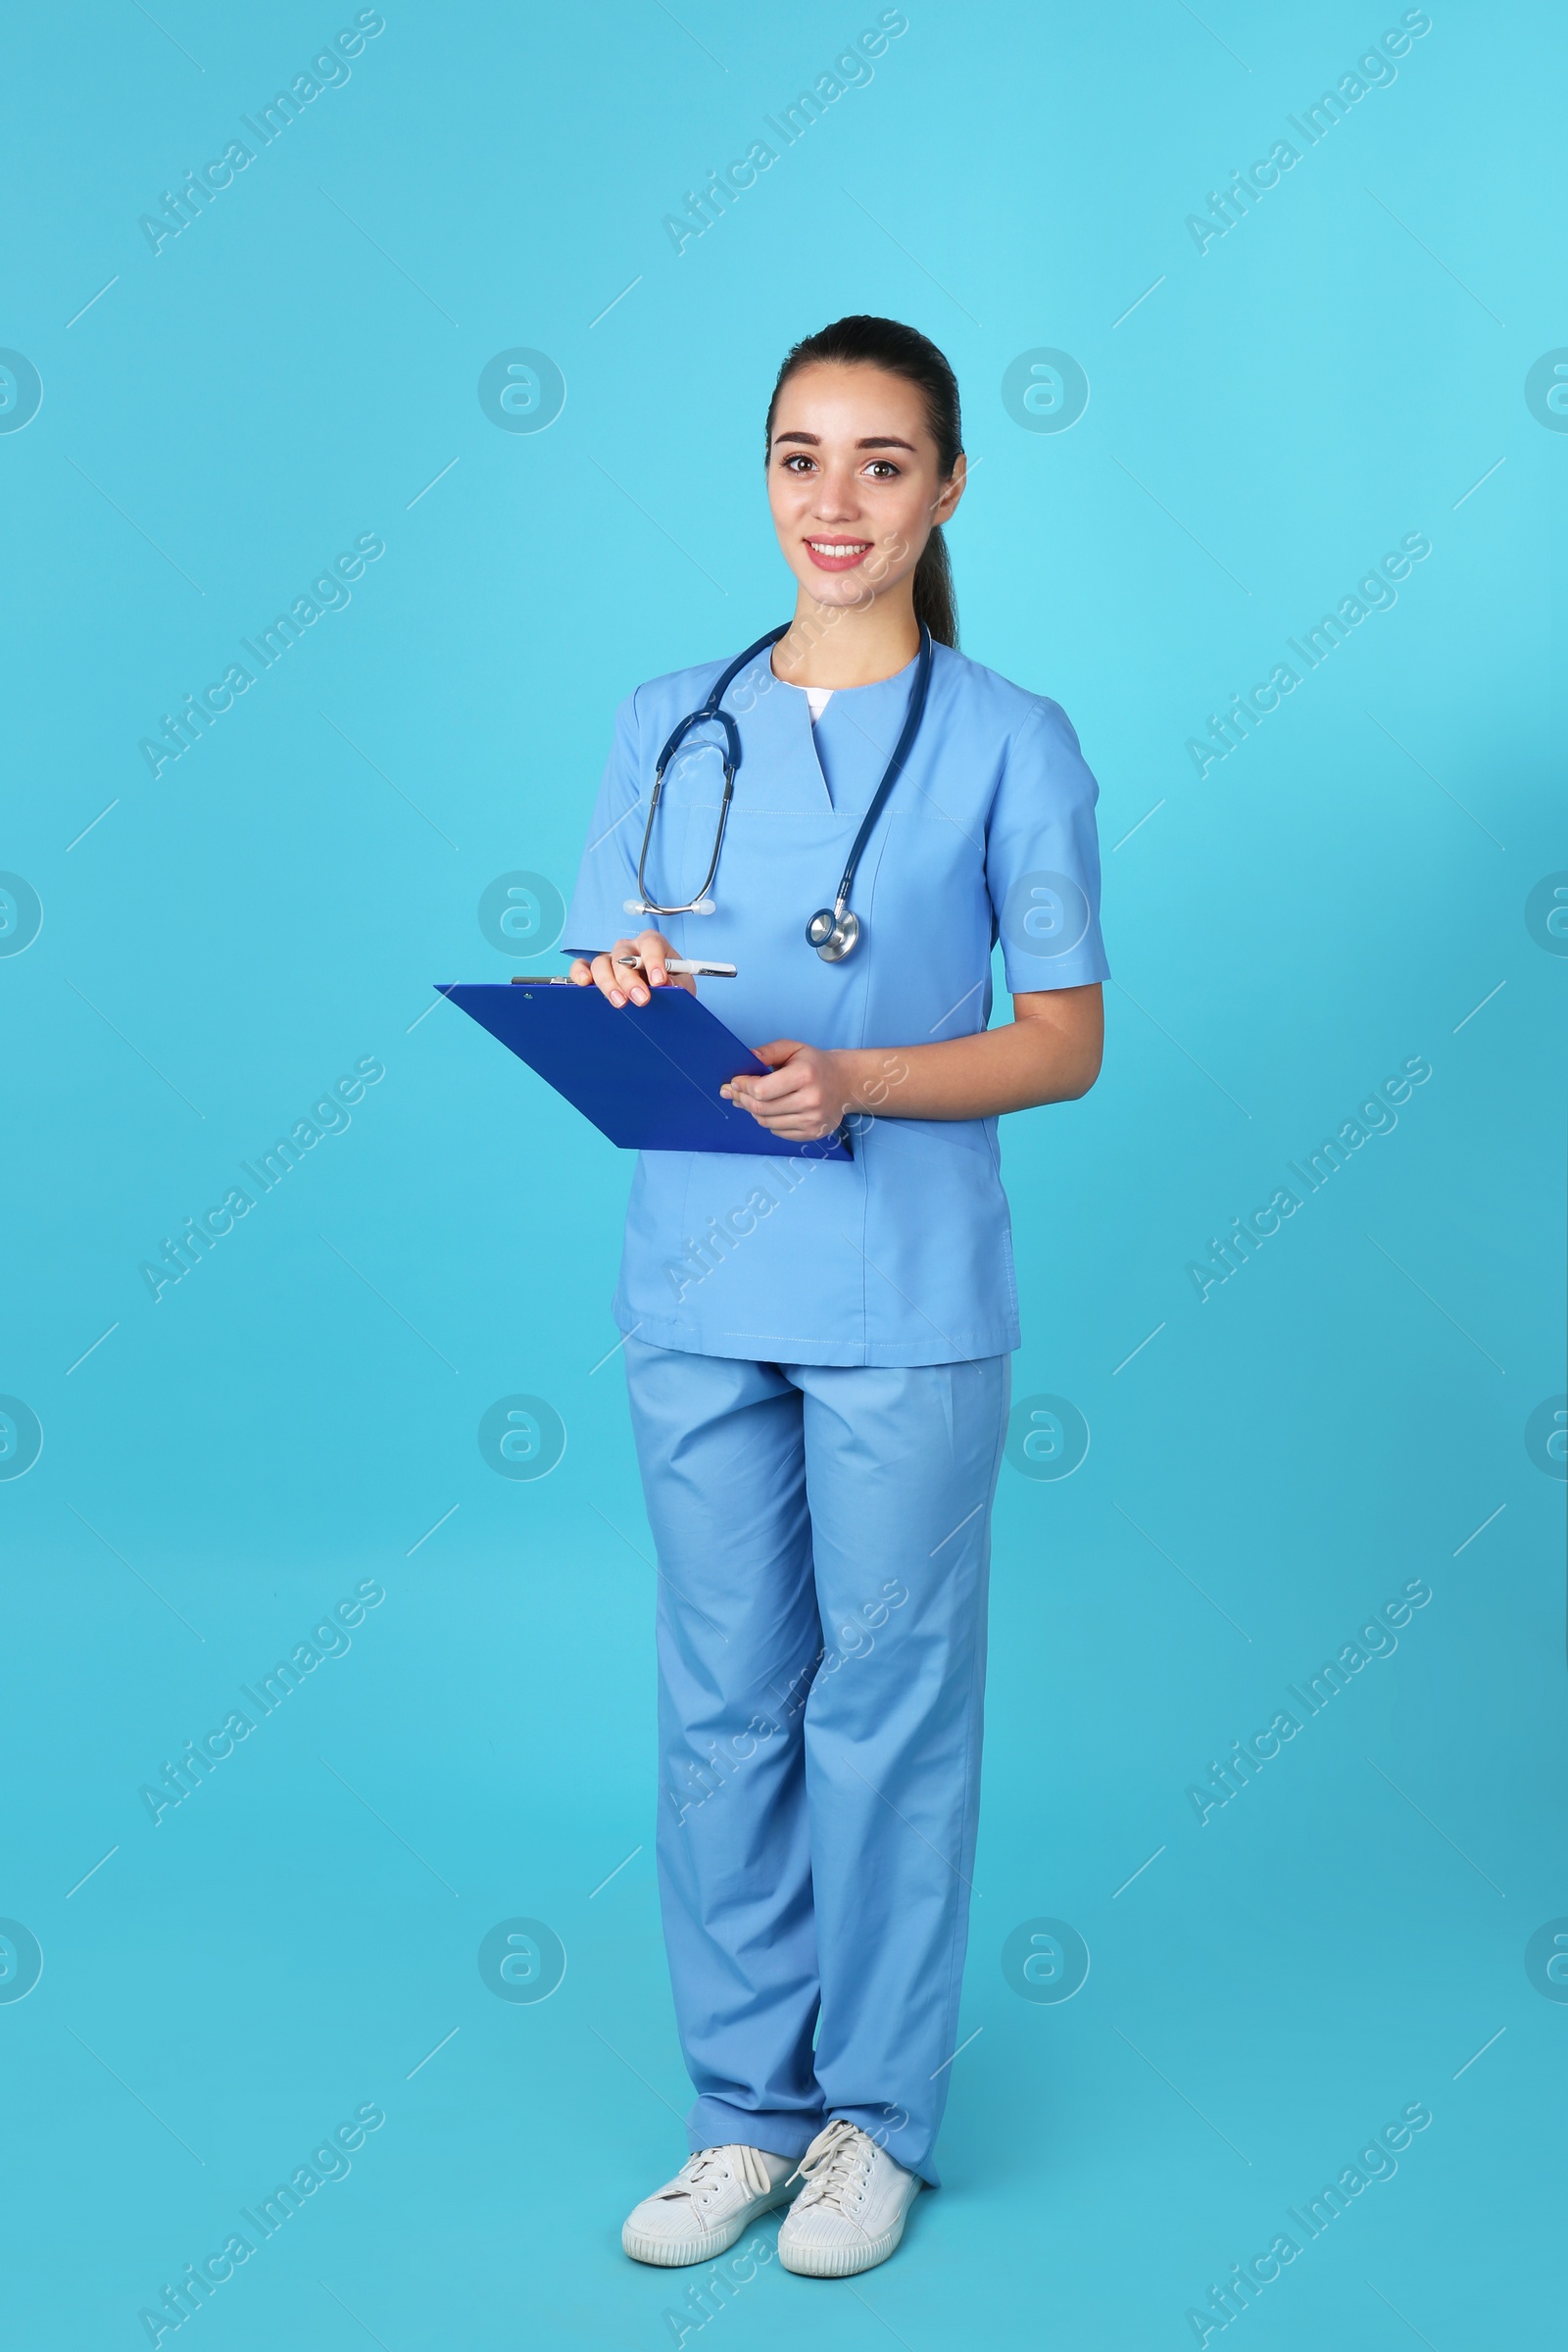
[{"x": 867, "y": 342}]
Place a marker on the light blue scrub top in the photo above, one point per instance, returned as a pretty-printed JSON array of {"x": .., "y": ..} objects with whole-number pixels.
[{"x": 904, "y": 1256}]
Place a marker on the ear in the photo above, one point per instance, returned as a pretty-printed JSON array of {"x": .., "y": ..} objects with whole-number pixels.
[{"x": 952, "y": 491}]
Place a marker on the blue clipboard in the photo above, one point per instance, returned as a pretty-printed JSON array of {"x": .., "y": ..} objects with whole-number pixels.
[{"x": 648, "y": 1075}]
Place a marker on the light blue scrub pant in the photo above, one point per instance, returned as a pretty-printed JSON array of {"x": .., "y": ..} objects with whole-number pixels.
[{"x": 824, "y": 1539}]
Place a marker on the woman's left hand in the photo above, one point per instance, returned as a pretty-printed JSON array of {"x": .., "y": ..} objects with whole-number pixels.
[{"x": 806, "y": 1096}]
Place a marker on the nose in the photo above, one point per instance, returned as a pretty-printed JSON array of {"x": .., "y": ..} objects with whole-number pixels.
[{"x": 836, "y": 500}]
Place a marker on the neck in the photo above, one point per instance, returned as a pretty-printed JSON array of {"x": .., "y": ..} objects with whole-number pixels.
[{"x": 849, "y": 645}]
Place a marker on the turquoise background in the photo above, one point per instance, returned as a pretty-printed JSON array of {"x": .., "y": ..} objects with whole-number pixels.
[{"x": 297, "y": 369}]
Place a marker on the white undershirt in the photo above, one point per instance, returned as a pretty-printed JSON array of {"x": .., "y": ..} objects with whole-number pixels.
[{"x": 817, "y": 698}]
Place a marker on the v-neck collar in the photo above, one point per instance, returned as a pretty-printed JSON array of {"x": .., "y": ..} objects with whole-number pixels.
[{"x": 846, "y": 718}]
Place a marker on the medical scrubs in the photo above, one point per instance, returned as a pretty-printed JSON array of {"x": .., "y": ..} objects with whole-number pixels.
[{"x": 817, "y": 1361}]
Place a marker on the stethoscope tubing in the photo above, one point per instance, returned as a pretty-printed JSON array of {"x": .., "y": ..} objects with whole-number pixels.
[
  {"x": 711, "y": 711},
  {"x": 732, "y": 760},
  {"x": 894, "y": 769}
]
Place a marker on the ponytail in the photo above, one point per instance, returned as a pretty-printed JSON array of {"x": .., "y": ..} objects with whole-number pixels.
[
  {"x": 863, "y": 341},
  {"x": 934, "y": 601}
]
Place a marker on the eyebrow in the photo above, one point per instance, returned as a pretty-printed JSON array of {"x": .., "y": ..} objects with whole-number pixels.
[{"x": 872, "y": 441}]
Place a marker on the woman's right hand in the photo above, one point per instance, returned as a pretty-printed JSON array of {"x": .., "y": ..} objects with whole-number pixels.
[{"x": 621, "y": 982}]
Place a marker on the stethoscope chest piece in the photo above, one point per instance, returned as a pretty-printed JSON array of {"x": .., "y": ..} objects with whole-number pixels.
[{"x": 833, "y": 931}]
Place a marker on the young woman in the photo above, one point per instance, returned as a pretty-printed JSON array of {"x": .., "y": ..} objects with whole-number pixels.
[{"x": 817, "y": 1343}]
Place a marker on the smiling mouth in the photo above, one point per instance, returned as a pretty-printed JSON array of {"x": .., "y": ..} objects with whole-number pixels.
[{"x": 837, "y": 554}]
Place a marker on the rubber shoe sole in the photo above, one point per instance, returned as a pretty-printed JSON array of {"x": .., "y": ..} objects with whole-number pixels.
[
  {"x": 841, "y": 2261},
  {"x": 677, "y": 2253}
]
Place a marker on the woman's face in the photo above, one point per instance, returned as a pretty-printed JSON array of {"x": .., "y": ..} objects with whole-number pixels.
[{"x": 854, "y": 481}]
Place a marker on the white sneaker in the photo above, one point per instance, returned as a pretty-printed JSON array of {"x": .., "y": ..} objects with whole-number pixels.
[
  {"x": 712, "y": 2200},
  {"x": 850, "y": 2215}
]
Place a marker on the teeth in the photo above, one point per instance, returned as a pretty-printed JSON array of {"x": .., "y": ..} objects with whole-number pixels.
[{"x": 838, "y": 547}]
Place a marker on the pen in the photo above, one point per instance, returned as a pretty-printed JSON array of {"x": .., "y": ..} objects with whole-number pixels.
[
  {"x": 693, "y": 965},
  {"x": 672, "y": 963}
]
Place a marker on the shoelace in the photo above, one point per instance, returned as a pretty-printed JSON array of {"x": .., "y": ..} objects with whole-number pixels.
[
  {"x": 837, "y": 2162},
  {"x": 706, "y": 2172}
]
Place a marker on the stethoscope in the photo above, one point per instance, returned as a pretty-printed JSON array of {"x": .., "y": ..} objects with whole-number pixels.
[{"x": 833, "y": 930}]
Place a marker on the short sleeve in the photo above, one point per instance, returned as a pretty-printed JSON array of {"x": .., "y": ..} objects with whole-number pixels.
[
  {"x": 607, "y": 877},
  {"x": 1042, "y": 859}
]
